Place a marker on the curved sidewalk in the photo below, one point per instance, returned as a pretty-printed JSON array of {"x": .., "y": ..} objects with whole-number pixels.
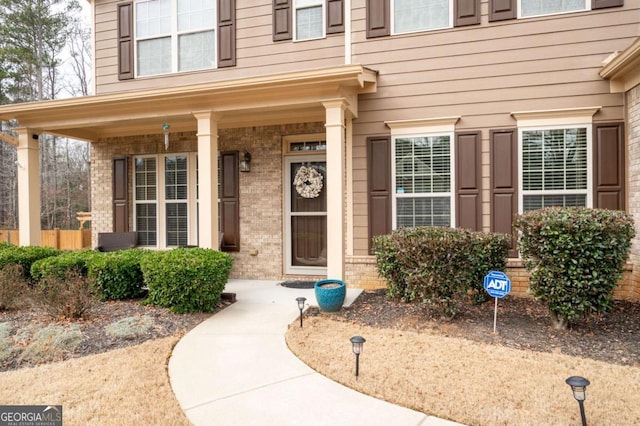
[{"x": 235, "y": 369}]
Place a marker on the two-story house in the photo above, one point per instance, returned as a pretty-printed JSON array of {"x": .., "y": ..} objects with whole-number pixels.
[{"x": 295, "y": 130}]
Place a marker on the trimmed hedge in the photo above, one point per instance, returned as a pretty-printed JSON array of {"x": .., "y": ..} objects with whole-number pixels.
[
  {"x": 61, "y": 264},
  {"x": 186, "y": 279},
  {"x": 117, "y": 274},
  {"x": 575, "y": 256},
  {"x": 438, "y": 265},
  {"x": 25, "y": 256}
]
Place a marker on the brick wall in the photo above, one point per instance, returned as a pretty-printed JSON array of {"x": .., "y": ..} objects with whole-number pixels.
[
  {"x": 361, "y": 273},
  {"x": 633, "y": 179},
  {"x": 261, "y": 190}
]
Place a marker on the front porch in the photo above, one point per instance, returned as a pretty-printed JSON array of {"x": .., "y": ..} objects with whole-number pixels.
[{"x": 196, "y": 123}]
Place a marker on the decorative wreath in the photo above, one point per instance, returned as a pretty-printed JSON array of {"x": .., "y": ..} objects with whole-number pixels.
[{"x": 308, "y": 182}]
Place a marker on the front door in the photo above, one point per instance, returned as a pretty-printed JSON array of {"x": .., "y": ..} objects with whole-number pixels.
[{"x": 306, "y": 214}]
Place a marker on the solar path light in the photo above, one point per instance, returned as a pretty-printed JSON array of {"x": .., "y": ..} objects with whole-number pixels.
[
  {"x": 579, "y": 387},
  {"x": 356, "y": 345},
  {"x": 301, "y": 301}
]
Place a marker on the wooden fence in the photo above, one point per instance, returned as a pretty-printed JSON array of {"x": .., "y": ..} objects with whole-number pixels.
[{"x": 62, "y": 239}]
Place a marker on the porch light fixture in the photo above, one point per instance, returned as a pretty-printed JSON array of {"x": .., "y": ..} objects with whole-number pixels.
[
  {"x": 356, "y": 346},
  {"x": 579, "y": 387},
  {"x": 301, "y": 301},
  {"x": 165, "y": 129},
  {"x": 244, "y": 163}
]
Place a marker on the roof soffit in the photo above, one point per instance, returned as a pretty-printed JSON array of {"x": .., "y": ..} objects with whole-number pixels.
[{"x": 253, "y": 101}]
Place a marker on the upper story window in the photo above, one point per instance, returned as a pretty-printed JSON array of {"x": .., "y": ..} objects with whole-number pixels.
[
  {"x": 309, "y": 19},
  {"x": 174, "y": 35},
  {"x": 555, "y": 167},
  {"x": 547, "y": 7},
  {"x": 419, "y": 15}
]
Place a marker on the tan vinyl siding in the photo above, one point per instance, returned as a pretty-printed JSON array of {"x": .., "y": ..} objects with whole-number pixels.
[
  {"x": 256, "y": 52},
  {"x": 483, "y": 73}
]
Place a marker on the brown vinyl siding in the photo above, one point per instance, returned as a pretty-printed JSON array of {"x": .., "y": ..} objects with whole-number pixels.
[
  {"x": 256, "y": 53},
  {"x": 482, "y": 73}
]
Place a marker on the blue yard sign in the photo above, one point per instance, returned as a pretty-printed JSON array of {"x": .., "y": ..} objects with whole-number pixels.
[{"x": 498, "y": 285}]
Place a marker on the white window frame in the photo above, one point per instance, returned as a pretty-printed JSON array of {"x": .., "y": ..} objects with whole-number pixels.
[
  {"x": 323, "y": 23},
  {"x": 161, "y": 202},
  {"x": 557, "y": 119},
  {"x": 174, "y": 34},
  {"x": 589, "y": 165},
  {"x": 394, "y": 31},
  {"x": 587, "y": 7},
  {"x": 145, "y": 202},
  {"x": 439, "y": 126}
]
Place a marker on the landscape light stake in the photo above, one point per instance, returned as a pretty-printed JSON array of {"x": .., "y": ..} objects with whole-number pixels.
[
  {"x": 301, "y": 301},
  {"x": 579, "y": 387},
  {"x": 356, "y": 345}
]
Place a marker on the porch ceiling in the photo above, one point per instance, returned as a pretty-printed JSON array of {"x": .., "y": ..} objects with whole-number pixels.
[{"x": 256, "y": 101}]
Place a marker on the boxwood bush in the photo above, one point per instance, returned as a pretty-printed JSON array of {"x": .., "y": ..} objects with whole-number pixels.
[
  {"x": 117, "y": 275},
  {"x": 575, "y": 257},
  {"x": 438, "y": 266},
  {"x": 186, "y": 279},
  {"x": 25, "y": 256},
  {"x": 61, "y": 264}
]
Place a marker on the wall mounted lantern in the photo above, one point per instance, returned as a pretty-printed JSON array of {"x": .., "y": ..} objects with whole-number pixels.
[{"x": 244, "y": 163}]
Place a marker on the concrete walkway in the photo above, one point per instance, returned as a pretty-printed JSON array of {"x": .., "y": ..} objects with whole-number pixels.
[{"x": 235, "y": 369}]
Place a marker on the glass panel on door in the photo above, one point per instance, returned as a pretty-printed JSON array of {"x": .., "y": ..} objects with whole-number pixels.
[{"x": 308, "y": 214}]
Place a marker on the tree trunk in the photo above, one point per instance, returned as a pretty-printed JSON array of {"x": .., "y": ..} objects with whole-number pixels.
[{"x": 560, "y": 322}]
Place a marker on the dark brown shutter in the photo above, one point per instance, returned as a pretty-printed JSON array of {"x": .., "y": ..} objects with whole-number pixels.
[
  {"x": 467, "y": 12},
  {"x": 603, "y": 4},
  {"x": 226, "y": 33},
  {"x": 501, "y": 10},
  {"x": 379, "y": 185},
  {"x": 378, "y": 18},
  {"x": 468, "y": 180},
  {"x": 230, "y": 200},
  {"x": 608, "y": 159},
  {"x": 125, "y": 41},
  {"x": 335, "y": 16},
  {"x": 120, "y": 195},
  {"x": 282, "y": 20},
  {"x": 504, "y": 182}
]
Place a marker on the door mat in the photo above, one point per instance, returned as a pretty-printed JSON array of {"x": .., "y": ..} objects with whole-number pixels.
[{"x": 298, "y": 284}]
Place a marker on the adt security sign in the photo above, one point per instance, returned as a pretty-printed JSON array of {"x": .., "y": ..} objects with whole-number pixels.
[{"x": 497, "y": 284}]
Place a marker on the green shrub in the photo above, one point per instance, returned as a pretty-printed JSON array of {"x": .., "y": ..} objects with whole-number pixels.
[
  {"x": 59, "y": 265},
  {"x": 5, "y": 245},
  {"x": 575, "y": 257},
  {"x": 13, "y": 286},
  {"x": 69, "y": 296},
  {"x": 437, "y": 265},
  {"x": 25, "y": 256},
  {"x": 186, "y": 280},
  {"x": 117, "y": 274}
]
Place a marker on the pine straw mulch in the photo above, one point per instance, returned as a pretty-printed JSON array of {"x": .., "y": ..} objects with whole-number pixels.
[
  {"x": 522, "y": 323},
  {"x": 95, "y": 338}
]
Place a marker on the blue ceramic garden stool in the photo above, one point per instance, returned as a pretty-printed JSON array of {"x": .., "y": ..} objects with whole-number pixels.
[{"x": 330, "y": 294}]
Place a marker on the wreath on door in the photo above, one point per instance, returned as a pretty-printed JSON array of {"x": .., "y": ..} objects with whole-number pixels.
[{"x": 308, "y": 182}]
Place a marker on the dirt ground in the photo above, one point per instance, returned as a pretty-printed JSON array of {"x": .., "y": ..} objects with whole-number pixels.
[
  {"x": 522, "y": 323},
  {"x": 460, "y": 370},
  {"x": 108, "y": 325}
]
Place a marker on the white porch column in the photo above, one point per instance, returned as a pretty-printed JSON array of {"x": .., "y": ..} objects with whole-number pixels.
[
  {"x": 208, "y": 179},
  {"x": 335, "y": 132},
  {"x": 28, "y": 188}
]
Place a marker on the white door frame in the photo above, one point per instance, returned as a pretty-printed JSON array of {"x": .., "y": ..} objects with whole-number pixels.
[{"x": 288, "y": 267}]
